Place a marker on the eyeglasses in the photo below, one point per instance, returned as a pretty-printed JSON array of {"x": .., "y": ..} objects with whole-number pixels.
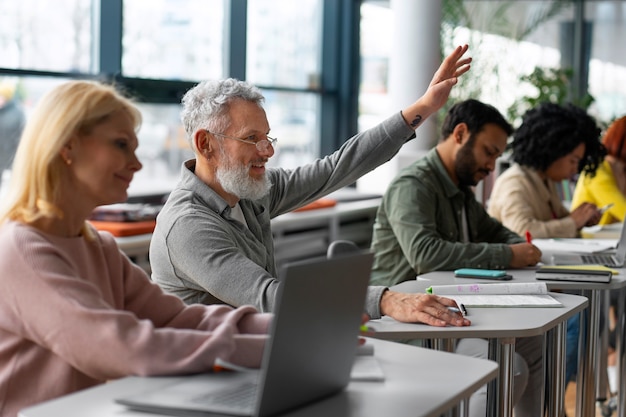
[{"x": 262, "y": 145}]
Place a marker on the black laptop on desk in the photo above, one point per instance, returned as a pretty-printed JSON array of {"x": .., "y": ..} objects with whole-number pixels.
[{"x": 309, "y": 355}]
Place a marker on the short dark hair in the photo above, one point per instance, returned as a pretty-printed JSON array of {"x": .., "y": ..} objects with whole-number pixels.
[
  {"x": 551, "y": 131},
  {"x": 475, "y": 115}
]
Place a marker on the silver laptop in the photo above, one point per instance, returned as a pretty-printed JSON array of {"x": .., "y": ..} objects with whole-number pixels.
[
  {"x": 309, "y": 355},
  {"x": 615, "y": 260}
]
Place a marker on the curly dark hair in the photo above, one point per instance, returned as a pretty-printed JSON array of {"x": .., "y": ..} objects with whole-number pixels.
[
  {"x": 475, "y": 115},
  {"x": 551, "y": 131}
]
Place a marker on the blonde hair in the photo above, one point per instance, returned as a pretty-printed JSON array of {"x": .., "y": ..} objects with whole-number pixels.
[
  {"x": 7, "y": 90},
  {"x": 72, "y": 108}
]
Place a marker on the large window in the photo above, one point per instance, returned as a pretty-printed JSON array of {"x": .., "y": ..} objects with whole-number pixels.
[
  {"x": 519, "y": 47},
  {"x": 280, "y": 52},
  {"x": 163, "y": 147},
  {"x": 302, "y": 55},
  {"x": 607, "y": 66},
  {"x": 173, "y": 39},
  {"x": 52, "y": 40},
  {"x": 293, "y": 117},
  {"x": 47, "y": 35},
  {"x": 158, "y": 49},
  {"x": 373, "y": 97}
]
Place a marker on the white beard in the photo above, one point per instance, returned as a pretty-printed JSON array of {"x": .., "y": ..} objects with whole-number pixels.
[{"x": 236, "y": 180}]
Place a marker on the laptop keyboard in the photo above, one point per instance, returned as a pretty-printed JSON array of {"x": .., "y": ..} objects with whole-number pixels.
[
  {"x": 242, "y": 397},
  {"x": 599, "y": 259}
]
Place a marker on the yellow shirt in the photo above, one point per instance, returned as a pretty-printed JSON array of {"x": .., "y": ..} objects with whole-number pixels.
[{"x": 601, "y": 190}]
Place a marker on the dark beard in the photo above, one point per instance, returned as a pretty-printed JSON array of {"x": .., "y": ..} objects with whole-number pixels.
[{"x": 465, "y": 164}]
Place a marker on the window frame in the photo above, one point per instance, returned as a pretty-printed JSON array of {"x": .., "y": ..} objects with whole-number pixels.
[
  {"x": 340, "y": 64},
  {"x": 338, "y": 91}
]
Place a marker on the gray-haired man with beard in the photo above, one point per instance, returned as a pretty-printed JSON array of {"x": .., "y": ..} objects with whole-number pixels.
[{"x": 213, "y": 242}]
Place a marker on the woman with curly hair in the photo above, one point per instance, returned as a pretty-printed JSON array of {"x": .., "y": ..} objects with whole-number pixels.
[
  {"x": 608, "y": 186},
  {"x": 553, "y": 143}
]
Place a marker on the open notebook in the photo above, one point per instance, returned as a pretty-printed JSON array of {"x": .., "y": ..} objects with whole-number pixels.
[
  {"x": 521, "y": 294},
  {"x": 309, "y": 356}
]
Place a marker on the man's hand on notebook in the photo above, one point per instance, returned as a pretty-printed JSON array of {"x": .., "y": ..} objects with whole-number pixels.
[{"x": 421, "y": 308}]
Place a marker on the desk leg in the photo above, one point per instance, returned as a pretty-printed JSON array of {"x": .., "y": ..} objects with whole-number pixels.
[
  {"x": 602, "y": 381},
  {"x": 464, "y": 408},
  {"x": 587, "y": 352},
  {"x": 555, "y": 369},
  {"x": 500, "y": 390},
  {"x": 447, "y": 345},
  {"x": 620, "y": 340}
]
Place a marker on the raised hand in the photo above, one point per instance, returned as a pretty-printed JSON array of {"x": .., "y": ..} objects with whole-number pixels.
[
  {"x": 446, "y": 76},
  {"x": 439, "y": 88}
]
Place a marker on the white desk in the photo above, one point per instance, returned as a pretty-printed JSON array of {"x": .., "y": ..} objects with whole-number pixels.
[
  {"x": 419, "y": 383},
  {"x": 305, "y": 234},
  {"x": 588, "y": 365},
  {"x": 607, "y": 231},
  {"x": 136, "y": 248},
  {"x": 297, "y": 235},
  {"x": 501, "y": 326}
]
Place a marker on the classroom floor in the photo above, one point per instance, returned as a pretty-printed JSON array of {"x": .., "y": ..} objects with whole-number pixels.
[
  {"x": 570, "y": 391},
  {"x": 570, "y": 402}
]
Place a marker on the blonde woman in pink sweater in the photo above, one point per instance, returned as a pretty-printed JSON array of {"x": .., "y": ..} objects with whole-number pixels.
[{"x": 74, "y": 311}]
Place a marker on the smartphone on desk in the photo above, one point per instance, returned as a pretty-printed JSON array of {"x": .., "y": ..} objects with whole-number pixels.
[{"x": 496, "y": 274}]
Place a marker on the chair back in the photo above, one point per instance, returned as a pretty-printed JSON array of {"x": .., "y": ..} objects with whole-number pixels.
[{"x": 341, "y": 247}]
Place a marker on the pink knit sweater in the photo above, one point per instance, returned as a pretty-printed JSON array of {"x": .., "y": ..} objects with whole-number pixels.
[{"x": 75, "y": 313}]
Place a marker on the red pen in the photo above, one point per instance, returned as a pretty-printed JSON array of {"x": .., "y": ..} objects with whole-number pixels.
[{"x": 529, "y": 237}]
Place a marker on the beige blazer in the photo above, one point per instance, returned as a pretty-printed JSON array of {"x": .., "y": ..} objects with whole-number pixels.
[{"x": 522, "y": 201}]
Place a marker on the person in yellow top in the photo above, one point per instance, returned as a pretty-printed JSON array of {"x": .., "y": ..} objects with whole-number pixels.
[{"x": 608, "y": 186}]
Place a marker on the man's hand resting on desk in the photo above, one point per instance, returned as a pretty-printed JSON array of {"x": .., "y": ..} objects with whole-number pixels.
[{"x": 421, "y": 308}]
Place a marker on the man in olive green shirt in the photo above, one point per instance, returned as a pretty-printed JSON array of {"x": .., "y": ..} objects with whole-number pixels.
[{"x": 429, "y": 218}]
